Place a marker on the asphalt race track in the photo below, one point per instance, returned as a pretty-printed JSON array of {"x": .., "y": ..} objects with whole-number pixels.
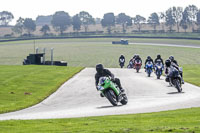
[{"x": 78, "y": 97}]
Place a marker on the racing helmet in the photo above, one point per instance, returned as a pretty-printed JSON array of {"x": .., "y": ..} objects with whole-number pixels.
[
  {"x": 167, "y": 63},
  {"x": 171, "y": 58},
  {"x": 158, "y": 56},
  {"x": 99, "y": 68}
]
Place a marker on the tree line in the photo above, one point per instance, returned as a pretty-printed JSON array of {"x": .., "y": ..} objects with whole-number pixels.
[{"x": 61, "y": 20}]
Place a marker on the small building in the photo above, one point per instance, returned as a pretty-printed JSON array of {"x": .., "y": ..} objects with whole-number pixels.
[
  {"x": 122, "y": 41},
  {"x": 39, "y": 59}
]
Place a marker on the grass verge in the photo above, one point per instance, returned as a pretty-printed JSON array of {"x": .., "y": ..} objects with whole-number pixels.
[
  {"x": 179, "y": 121},
  {"x": 24, "y": 86},
  {"x": 191, "y": 74}
]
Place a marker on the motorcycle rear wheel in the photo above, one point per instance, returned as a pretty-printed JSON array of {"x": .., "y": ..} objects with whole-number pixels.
[{"x": 124, "y": 101}]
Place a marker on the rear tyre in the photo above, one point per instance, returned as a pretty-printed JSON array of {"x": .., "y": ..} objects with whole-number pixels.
[
  {"x": 124, "y": 101},
  {"x": 111, "y": 96}
]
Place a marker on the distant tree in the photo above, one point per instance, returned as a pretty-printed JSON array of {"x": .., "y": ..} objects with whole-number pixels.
[
  {"x": 185, "y": 21},
  {"x": 86, "y": 19},
  {"x": 18, "y": 28},
  {"x": 108, "y": 21},
  {"x": 76, "y": 22},
  {"x": 162, "y": 19},
  {"x": 153, "y": 20},
  {"x": 198, "y": 19},
  {"x": 169, "y": 19},
  {"x": 42, "y": 20},
  {"x": 6, "y": 17},
  {"x": 61, "y": 21},
  {"x": 45, "y": 28},
  {"x": 29, "y": 25},
  {"x": 124, "y": 20},
  {"x": 177, "y": 14},
  {"x": 138, "y": 21},
  {"x": 192, "y": 14},
  {"x": 97, "y": 20}
]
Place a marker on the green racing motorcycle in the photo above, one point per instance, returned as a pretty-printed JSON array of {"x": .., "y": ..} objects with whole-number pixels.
[{"x": 111, "y": 91}]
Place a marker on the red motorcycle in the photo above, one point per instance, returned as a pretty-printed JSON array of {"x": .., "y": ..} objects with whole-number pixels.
[{"x": 137, "y": 65}]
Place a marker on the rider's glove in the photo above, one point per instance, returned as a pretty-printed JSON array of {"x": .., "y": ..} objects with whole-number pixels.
[{"x": 99, "y": 87}]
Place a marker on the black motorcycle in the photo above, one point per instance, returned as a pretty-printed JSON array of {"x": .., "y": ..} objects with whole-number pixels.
[
  {"x": 174, "y": 79},
  {"x": 130, "y": 65},
  {"x": 121, "y": 62}
]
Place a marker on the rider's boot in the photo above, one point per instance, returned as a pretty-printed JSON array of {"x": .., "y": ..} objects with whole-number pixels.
[{"x": 101, "y": 95}]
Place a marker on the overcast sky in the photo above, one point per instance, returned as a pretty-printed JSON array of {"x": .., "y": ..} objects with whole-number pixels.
[{"x": 97, "y": 8}]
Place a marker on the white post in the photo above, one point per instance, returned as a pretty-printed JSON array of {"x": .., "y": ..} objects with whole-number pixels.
[
  {"x": 37, "y": 50},
  {"x": 51, "y": 56},
  {"x": 44, "y": 50}
]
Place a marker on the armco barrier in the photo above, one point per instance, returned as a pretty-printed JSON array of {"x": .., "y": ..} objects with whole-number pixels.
[{"x": 67, "y": 37}]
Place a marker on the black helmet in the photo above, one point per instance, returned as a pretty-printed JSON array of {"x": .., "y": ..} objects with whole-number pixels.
[
  {"x": 99, "y": 68},
  {"x": 158, "y": 56},
  {"x": 168, "y": 63},
  {"x": 148, "y": 57},
  {"x": 171, "y": 58}
]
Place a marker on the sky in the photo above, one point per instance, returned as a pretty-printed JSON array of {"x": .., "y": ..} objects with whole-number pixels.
[{"x": 97, "y": 8}]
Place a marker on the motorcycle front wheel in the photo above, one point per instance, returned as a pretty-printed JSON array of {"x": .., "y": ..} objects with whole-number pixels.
[
  {"x": 178, "y": 85},
  {"x": 111, "y": 96},
  {"x": 158, "y": 75}
]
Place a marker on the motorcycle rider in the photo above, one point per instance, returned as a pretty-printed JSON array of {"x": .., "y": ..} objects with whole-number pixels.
[
  {"x": 172, "y": 62},
  {"x": 171, "y": 58},
  {"x": 101, "y": 72},
  {"x": 158, "y": 59},
  {"x": 137, "y": 57},
  {"x": 134, "y": 56},
  {"x": 167, "y": 69},
  {"x": 147, "y": 60},
  {"x": 121, "y": 59},
  {"x": 130, "y": 65}
]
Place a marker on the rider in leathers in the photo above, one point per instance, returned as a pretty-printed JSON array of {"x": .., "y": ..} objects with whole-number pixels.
[
  {"x": 121, "y": 59},
  {"x": 101, "y": 72},
  {"x": 147, "y": 60},
  {"x": 173, "y": 63},
  {"x": 158, "y": 59}
]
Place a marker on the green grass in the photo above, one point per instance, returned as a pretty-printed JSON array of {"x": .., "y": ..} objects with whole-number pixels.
[
  {"x": 191, "y": 74},
  {"x": 23, "y": 86},
  {"x": 89, "y": 52},
  {"x": 179, "y": 121}
]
